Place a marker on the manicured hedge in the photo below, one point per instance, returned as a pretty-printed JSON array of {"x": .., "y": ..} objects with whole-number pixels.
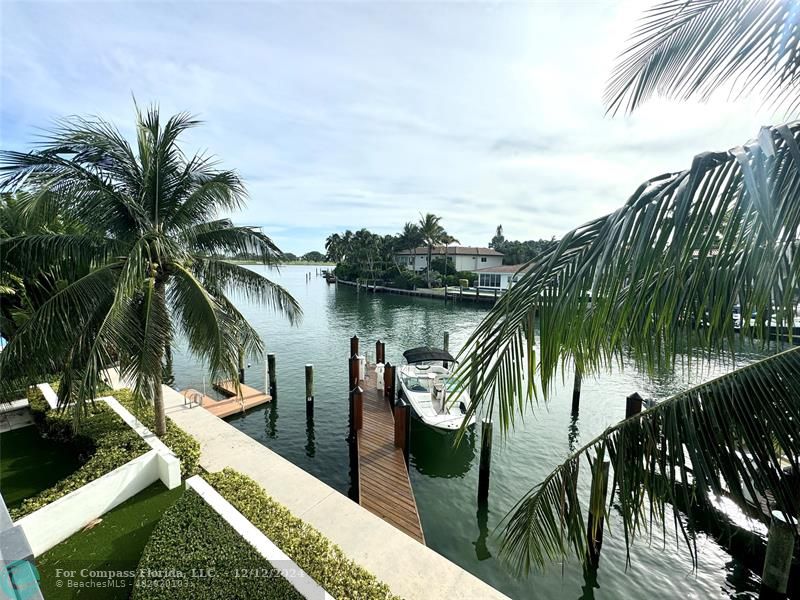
[
  {"x": 181, "y": 443},
  {"x": 194, "y": 553},
  {"x": 313, "y": 552},
  {"x": 103, "y": 441}
]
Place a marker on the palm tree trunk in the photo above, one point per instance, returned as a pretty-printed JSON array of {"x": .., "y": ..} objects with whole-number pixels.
[
  {"x": 158, "y": 397},
  {"x": 428, "y": 270},
  {"x": 158, "y": 408}
]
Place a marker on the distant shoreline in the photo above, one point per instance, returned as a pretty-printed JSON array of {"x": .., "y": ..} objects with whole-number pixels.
[{"x": 301, "y": 263}]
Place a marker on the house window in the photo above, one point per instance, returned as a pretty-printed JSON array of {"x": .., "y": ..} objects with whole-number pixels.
[
  {"x": 489, "y": 280},
  {"x": 483, "y": 259}
]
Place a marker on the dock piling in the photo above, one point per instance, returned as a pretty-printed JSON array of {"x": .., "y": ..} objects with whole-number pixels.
[
  {"x": 241, "y": 366},
  {"x": 309, "y": 390},
  {"x": 353, "y": 363},
  {"x": 778, "y": 560},
  {"x": 485, "y": 465},
  {"x": 389, "y": 384},
  {"x": 273, "y": 376},
  {"x": 379, "y": 352},
  {"x": 402, "y": 427},
  {"x": 446, "y": 345},
  {"x": 597, "y": 498},
  {"x": 633, "y": 405},
  {"x": 576, "y": 391},
  {"x": 354, "y": 345},
  {"x": 358, "y": 408}
]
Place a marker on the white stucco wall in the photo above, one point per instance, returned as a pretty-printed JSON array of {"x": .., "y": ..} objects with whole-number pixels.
[
  {"x": 462, "y": 262},
  {"x": 58, "y": 520}
]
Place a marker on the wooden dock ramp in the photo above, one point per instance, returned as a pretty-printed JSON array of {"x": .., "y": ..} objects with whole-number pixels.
[
  {"x": 231, "y": 405},
  {"x": 384, "y": 487}
]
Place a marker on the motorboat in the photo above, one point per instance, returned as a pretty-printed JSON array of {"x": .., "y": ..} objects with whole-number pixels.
[{"x": 427, "y": 383}]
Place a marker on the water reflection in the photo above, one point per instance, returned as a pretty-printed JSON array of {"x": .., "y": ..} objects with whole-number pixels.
[
  {"x": 434, "y": 453},
  {"x": 573, "y": 434},
  {"x": 271, "y": 419},
  {"x": 310, "y": 444},
  {"x": 481, "y": 550},
  {"x": 589, "y": 583}
]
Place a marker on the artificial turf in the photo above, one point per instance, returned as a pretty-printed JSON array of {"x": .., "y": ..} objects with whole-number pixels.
[
  {"x": 30, "y": 464},
  {"x": 114, "y": 544}
]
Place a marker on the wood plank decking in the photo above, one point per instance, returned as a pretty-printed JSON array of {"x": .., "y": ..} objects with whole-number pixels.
[
  {"x": 233, "y": 404},
  {"x": 384, "y": 487}
]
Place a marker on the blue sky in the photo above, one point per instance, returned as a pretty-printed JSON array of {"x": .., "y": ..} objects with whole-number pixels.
[{"x": 363, "y": 114}]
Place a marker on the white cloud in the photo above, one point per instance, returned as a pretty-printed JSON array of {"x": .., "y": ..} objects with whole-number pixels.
[{"x": 352, "y": 115}]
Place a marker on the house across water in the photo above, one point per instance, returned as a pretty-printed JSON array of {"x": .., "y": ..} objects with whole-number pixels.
[
  {"x": 498, "y": 277},
  {"x": 463, "y": 258}
]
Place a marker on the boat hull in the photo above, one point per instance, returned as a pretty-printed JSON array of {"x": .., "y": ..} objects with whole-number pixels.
[{"x": 448, "y": 415}]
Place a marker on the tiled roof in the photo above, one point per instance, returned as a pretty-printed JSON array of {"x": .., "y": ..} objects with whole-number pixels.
[{"x": 453, "y": 250}]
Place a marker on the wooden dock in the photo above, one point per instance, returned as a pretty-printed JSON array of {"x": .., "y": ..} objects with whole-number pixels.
[
  {"x": 231, "y": 405},
  {"x": 384, "y": 487}
]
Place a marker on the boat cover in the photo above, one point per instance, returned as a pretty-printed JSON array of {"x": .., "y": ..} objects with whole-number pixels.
[{"x": 427, "y": 354}]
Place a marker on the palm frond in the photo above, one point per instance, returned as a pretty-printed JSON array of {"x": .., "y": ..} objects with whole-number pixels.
[
  {"x": 75, "y": 252},
  {"x": 222, "y": 237},
  {"x": 658, "y": 277},
  {"x": 211, "y": 332},
  {"x": 717, "y": 438},
  {"x": 84, "y": 192},
  {"x": 230, "y": 277},
  {"x": 691, "y": 48},
  {"x": 205, "y": 192}
]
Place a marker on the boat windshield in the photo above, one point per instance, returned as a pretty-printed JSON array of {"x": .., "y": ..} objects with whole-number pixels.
[
  {"x": 449, "y": 383},
  {"x": 418, "y": 384}
]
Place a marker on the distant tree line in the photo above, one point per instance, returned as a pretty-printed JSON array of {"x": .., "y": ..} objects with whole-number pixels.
[
  {"x": 516, "y": 252},
  {"x": 370, "y": 257},
  {"x": 286, "y": 257}
]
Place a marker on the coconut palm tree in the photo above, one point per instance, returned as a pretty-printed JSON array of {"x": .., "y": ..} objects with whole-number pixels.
[
  {"x": 333, "y": 247},
  {"x": 432, "y": 234},
  {"x": 660, "y": 277},
  {"x": 146, "y": 264},
  {"x": 410, "y": 238},
  {"x": 447, "y": 239}
]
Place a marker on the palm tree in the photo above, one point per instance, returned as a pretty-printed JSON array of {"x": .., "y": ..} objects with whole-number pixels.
[
  {"x": 146, "y": 265},
  {"x": 664, "y": 272},
  {"x": 447, "y": 239},
  {"x": 432, "y": 234},
  {"x": 410, "y": 238},
  {"x": 333, "y": 247}
]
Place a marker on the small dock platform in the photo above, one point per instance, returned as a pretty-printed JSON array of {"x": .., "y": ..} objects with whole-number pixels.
[
  {"x": 384, "y": 487},
  {"x": 233, "y": 404}
]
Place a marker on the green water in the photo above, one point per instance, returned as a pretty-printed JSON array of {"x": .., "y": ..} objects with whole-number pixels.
[{"x": 445, "y": 479}]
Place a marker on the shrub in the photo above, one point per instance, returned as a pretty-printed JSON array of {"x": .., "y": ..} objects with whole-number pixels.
[
  {"x": 181, "y": 443},
  {"x": 406, "y": 280},
  {"x": 313, "y": 552},
  {"x": 214, "y": 560},
  {"x": 438, "y": 265}
]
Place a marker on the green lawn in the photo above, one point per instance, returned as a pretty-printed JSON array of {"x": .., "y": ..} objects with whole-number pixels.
[
  {"x": 30, "y": 464},
  {"x": 115, "y": 544}
]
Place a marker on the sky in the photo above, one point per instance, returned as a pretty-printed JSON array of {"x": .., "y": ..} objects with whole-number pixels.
[{"x": 343, "y": 115}]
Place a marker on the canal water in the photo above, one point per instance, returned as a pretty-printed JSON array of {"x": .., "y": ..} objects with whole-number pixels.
[{"x": 445, "y": 479}]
